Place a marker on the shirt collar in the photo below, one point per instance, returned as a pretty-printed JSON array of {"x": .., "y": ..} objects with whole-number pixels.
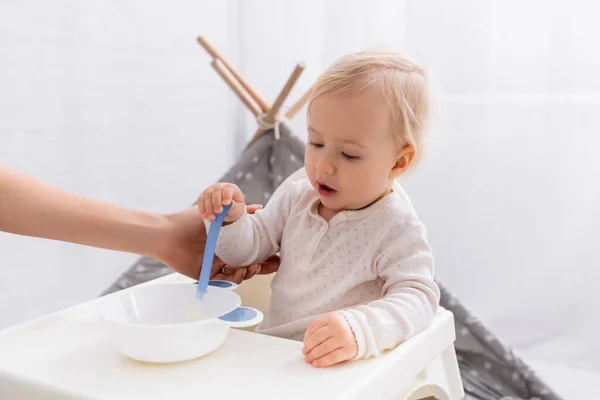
[{"x": 353, "y": 215}]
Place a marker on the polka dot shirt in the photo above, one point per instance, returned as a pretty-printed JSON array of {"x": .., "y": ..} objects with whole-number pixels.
[{"x": 374, "y": 265}]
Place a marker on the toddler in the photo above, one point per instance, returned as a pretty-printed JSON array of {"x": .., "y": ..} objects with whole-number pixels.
[{"x": 356, "y": 273}]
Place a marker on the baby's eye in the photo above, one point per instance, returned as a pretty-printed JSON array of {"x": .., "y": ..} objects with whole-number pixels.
[
  {"x": 349, "y": 157},
  {"x": 317, "y": 145}
]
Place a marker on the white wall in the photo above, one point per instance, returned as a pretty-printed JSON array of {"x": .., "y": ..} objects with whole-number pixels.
[{"x": 113, "y": 100}]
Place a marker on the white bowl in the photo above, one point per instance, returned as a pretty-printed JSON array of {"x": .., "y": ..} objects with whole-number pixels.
[{"x": 167, "y": 323}]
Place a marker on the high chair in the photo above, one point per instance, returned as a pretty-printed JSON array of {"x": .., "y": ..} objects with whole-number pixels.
[{"x": 428, "y": 358}]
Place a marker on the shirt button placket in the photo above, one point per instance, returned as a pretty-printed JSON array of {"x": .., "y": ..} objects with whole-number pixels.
[{"x": 318, "y": 237}]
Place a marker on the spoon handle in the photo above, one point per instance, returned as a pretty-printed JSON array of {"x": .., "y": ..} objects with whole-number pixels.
[{"x": 209, "y": 252}]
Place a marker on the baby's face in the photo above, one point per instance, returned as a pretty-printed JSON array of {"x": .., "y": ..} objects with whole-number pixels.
[{"x": 350, "y": 152}]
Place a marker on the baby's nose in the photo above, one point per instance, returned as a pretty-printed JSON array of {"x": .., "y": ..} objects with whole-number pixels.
[{"x": 326, "y": 167}]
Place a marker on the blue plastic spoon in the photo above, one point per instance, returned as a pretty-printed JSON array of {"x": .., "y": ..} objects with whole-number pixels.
[{"x": 209, "y": 252}]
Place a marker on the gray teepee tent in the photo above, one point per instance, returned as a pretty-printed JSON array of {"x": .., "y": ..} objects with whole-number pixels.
[{"x": 489, "y": 369}]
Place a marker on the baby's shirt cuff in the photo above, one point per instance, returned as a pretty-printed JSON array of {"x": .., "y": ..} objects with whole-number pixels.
[{"x": 357, "y": 330}]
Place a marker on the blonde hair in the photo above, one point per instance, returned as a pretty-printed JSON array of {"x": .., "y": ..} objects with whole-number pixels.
[{"x": 401, "y": 82}]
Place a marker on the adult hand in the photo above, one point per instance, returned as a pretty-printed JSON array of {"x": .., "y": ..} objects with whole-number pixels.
[
  {"x": 182, "y": 249},
  {"x": 223, "y": 272}
]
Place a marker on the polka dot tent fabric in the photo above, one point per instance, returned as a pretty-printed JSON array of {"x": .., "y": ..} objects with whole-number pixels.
[{"x": 489, "y": 369}]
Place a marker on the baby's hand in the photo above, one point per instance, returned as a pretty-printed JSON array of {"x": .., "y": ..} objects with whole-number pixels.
[
  {"x": 329, "y": 340},
  {"x": 212, "y": 200}
]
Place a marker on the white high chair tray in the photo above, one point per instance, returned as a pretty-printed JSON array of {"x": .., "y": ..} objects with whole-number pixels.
[{"x": 66, "y": 355}]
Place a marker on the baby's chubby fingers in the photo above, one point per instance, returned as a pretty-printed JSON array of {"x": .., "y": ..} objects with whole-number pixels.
[
  {"x": 228, "y": 191},
  {"x": 315, "y": 325},
  {"x": 212, "y": 200},
  {"x": 322, "y": 349},
  {"x": 205, "y": 203},
  {"x": 311, "y": 342},
  {"x": 233, "y": 195},
  {"x": 200, "y": 205},
  {"x": 209, "y": 210},
  {"x": 335, "y": 357},
  {"x": 217, "y": 198},
  {"x": 330, "y": 333},
  {"x": 317, "y": 332}
]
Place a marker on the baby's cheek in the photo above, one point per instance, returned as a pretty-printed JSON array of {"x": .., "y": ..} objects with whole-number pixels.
[
  {"x": 310, "y": 171},
  {"x": 362, "y": 191}
]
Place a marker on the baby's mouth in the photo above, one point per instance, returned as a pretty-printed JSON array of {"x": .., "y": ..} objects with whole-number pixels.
[{"x": 325, "y": 190}]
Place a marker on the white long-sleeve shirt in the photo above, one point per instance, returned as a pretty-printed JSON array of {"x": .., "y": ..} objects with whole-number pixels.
[{"x": 374, "y": 265}]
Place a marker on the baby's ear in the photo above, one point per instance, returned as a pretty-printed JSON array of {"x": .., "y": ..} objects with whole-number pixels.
[{"x": 403, "y": 161}]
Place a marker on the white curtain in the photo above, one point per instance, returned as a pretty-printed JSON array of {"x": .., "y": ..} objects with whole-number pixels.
[{"x": 510, "y": 187}]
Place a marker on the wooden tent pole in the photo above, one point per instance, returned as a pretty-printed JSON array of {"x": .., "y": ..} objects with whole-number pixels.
[
  {"x": 271, "y": 114},
  {"x": 270, "y": 117},
  {"x": 299, "y": 104},
  {"x": 215, "y": 54},
  {"x": 234, "y": 85}
]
